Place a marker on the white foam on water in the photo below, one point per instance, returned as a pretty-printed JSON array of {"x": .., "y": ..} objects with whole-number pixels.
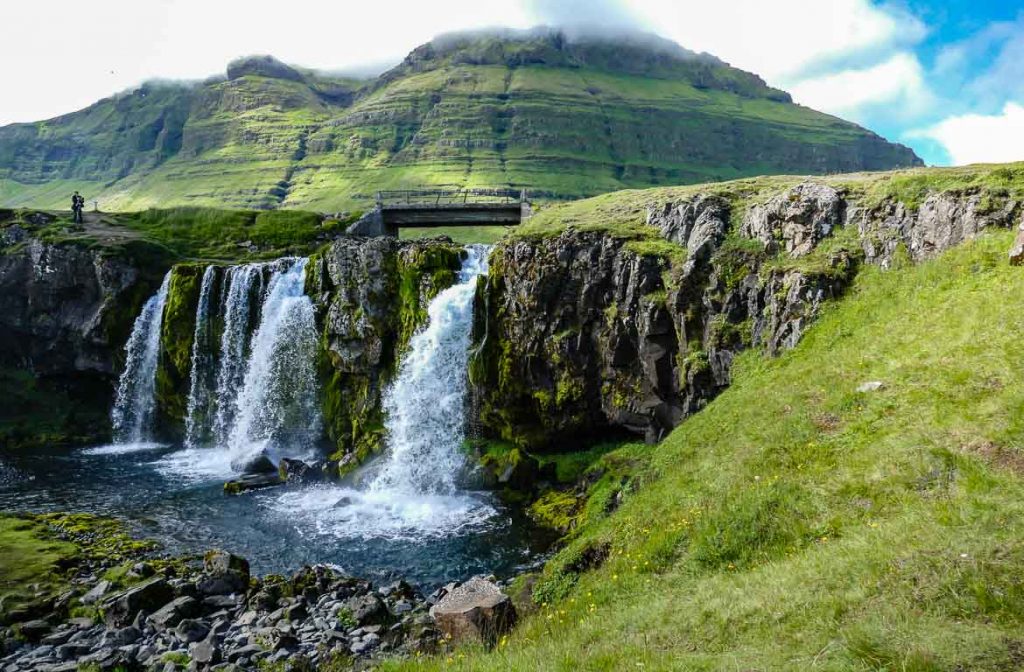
[
  {"x": 348, "y": 513},
  {"x": 196, "y": 465},
  {"x": 124, "y": 448}
]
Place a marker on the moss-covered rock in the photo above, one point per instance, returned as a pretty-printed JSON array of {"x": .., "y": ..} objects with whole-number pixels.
[
  {"x": 176, "y": 336},
  {"x": 371, "y": 296}
]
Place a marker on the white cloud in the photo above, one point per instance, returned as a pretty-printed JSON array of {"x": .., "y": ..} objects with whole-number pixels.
[
  {"x": 977, "y": 138},
  {"x": 898, "y": 83},
  {"x": 781, "y": 40}
]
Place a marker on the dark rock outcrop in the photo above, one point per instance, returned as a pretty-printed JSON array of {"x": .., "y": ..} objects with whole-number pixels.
[
  {"x": 942, "y": 221},
  {"x": 371, "y": 295},
  {"x": 65, "y": 313},
  {"x": 583, "y": 333}
]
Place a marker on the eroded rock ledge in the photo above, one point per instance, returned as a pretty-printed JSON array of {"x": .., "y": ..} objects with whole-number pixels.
[{"x": 584, "y": 333}]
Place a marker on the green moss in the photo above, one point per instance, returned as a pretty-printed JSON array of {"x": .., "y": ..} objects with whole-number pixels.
[
  {"x": 176, "y": 335},
  {"x": 40, "y": 553},
  {"x": 555, "y": 509}
]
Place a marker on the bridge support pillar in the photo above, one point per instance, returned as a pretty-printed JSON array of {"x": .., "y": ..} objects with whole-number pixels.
[{"x": 371, "y": 224}]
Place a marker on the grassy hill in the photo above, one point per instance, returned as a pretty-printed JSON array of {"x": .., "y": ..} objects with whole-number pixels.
[
  {"x": 798, "y": 523},
  {"x": 532, "y": 110}
]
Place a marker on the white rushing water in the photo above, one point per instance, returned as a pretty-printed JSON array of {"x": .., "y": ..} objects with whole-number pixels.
[
  {"x": 426, "y": 406},
  {"x": 132, "y": 416},
  {"x": 236, "y": 305},
  {"x": 413, "y": 494},
  {"x": 199, "y": 398},
  {"x": 277, "y": 410}
]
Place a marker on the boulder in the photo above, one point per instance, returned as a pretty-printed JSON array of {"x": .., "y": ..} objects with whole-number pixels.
[
  {"x": 474, "y": 611},
  {"x": 298, "y": 471},
  {"x": 205, "y": 652},
  {"x": 252, "y": 482},
  {"x": 1017, "y": 251},
  {"x": 224, "y": 574},
  {"x": 97, "y": 592},
  {"x": 34, "y": 630},
  {"x": 367, "y": 610},
  {"x": 191, "y": 630},
  {"x": 119, "y": 610},
  {"x": 173, "y": 612}
]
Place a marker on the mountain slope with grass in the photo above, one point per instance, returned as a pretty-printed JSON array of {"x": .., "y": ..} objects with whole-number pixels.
[
  {"x": 533, "y": 110},
  {"x": 805, "y": 520}
]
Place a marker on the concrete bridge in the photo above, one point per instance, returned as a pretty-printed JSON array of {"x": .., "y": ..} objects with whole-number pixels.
[{"x": 439, "y": 207}]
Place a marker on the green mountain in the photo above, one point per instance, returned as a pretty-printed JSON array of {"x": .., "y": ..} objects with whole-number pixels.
[{"x": 562, "y": 118}]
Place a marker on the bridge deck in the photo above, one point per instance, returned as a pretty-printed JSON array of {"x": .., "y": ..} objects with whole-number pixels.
[
  {"x": 466, "y": 207},
  {"x": 439, "y": 207}
]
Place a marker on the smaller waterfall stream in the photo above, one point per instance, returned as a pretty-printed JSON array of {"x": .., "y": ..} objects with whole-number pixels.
[
  {"x": 132, "y": 416},
  {"x": 199, "y": 399},
  {"x": 425, "y": 407}
]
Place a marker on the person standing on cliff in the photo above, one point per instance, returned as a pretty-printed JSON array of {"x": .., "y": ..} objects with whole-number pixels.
[{"x": 77, "y": 203}]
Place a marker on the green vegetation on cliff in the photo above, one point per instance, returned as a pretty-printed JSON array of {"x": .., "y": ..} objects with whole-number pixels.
[
  {"x": 623, "y": 213},
  {"x": 558, "y": 117},
  {"x": 800, "y": 523}
]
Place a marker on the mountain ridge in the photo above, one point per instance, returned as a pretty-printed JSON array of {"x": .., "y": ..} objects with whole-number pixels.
[{"x": 561, "y": 117}]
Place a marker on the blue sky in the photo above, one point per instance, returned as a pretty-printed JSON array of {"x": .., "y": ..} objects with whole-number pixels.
[
  {"x": 945, "y": 77},
  {"x": 971, "y": 55}
]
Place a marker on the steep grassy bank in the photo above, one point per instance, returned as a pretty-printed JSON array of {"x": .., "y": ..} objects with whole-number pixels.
[{"x": 798, "y": 523}]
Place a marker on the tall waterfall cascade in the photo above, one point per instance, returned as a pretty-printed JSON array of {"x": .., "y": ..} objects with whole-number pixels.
[
  {"x": 425, "y": 407},
  {"x": 277, "y": 409},
  {"x": 135, "y": 403},
  {"x": 412, "y": 492}
]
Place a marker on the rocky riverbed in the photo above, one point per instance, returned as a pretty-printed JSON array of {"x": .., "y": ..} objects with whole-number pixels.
[{"x": 214, "y": 615}]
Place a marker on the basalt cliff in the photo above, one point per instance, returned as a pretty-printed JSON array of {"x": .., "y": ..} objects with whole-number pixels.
[{"x": 600, "y": 318}]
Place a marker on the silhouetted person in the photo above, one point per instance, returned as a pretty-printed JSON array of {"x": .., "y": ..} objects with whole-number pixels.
[{"x": 77, "y": 203}]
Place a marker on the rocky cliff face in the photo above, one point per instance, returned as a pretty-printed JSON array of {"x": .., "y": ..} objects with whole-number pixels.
[
  {"x": 371, "y": 296},
  {"x": 65, "y": 313},
  {"x": 584, "y": 333}
]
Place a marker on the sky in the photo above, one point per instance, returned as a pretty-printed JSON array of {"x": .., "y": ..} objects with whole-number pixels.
[{"x": 945, "y": 77}]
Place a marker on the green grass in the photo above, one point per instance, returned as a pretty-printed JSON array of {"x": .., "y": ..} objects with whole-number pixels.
[
  {"x": 29, "y": 560},
  {"x": 40, "y": 552},
  {"x": 468, "y": 235},
  {"x": 797, "y": 524},
  {"x": 192, "y": 233}
]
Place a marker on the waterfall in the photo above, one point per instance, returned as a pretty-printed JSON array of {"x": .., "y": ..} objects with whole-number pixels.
[
  {"x": 425, "y": 407},
  {"x": 199, "y": 399},
  {"x": 135, "y": 402},
  {"x": 277, "y": 409},
  {"x": 413, "y": 494},
  {"x": 234, "y": 339}
]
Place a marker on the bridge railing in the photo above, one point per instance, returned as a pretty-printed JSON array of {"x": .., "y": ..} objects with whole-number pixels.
[{"x": 444, "y": 197}]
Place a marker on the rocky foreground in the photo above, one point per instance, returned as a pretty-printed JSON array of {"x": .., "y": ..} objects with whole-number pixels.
[{"x": 219, "y": 617}]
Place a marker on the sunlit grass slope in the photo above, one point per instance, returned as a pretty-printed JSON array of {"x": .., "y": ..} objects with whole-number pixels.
[{"x": 799, "y": 524}]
